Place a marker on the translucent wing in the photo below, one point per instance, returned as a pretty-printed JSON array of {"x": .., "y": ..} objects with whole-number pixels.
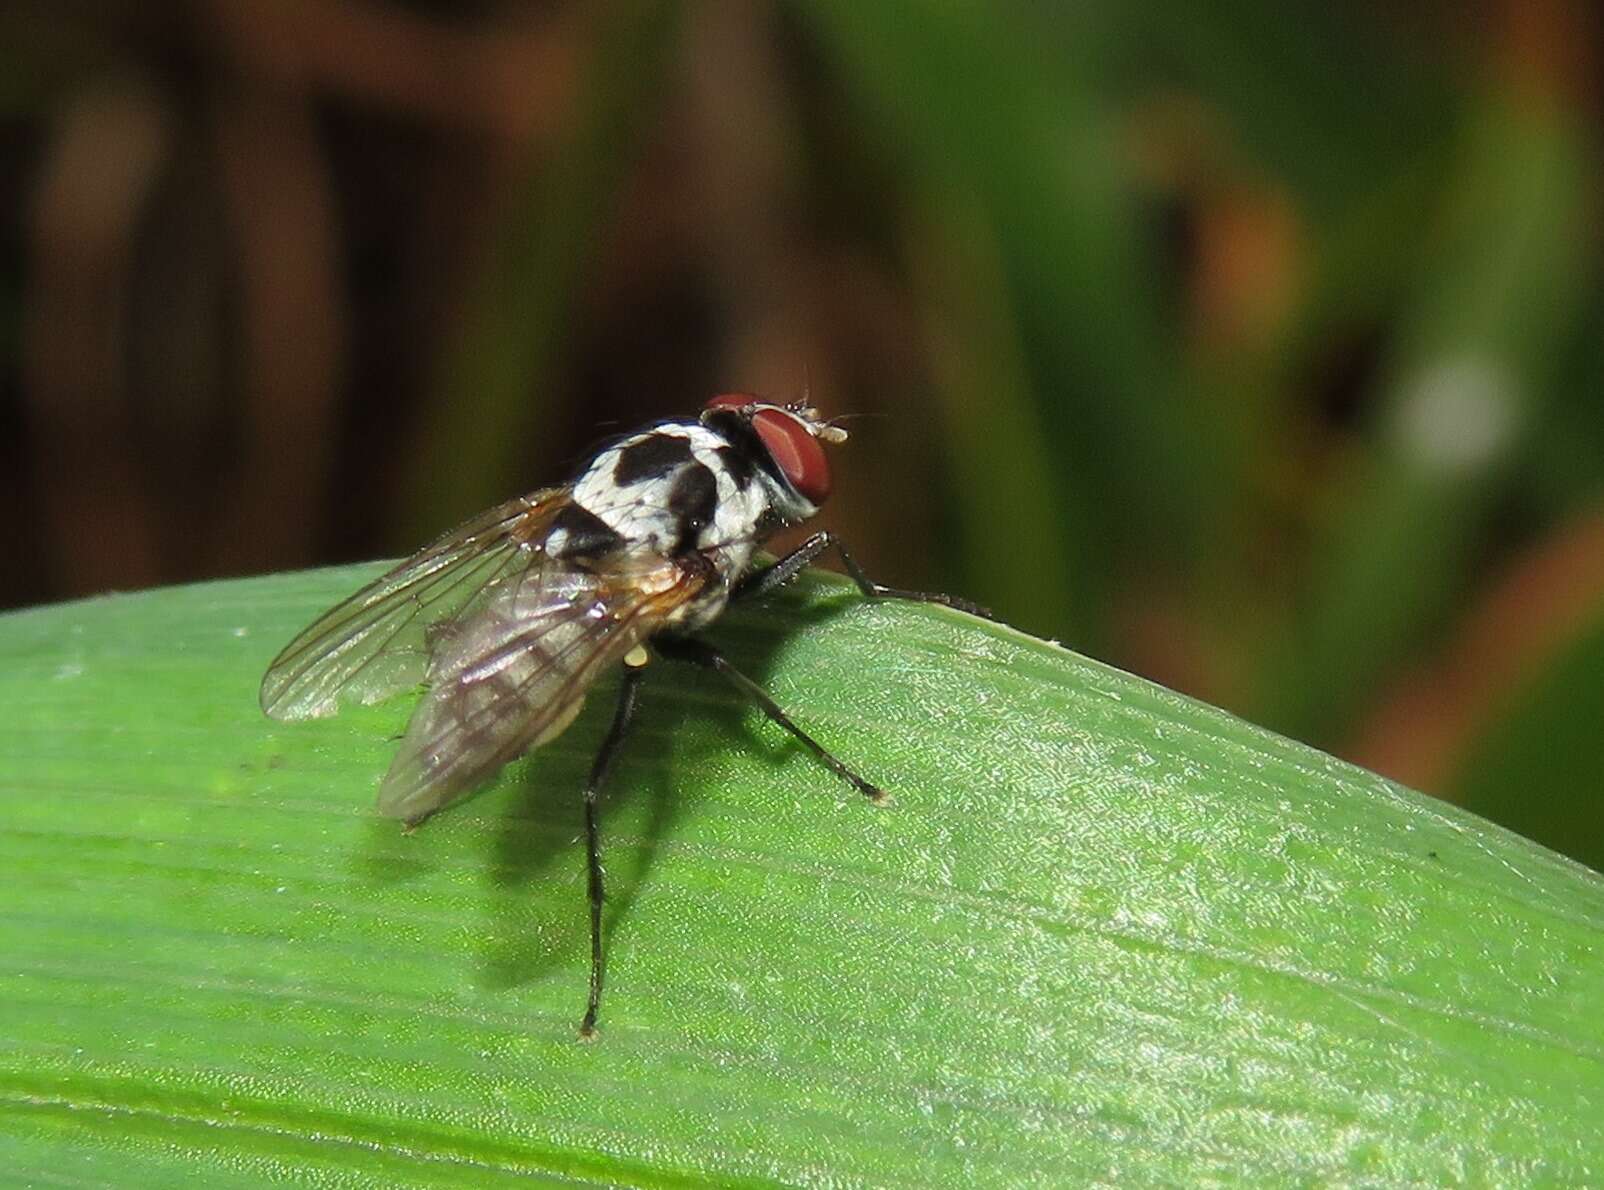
[
  {"x": 376, "y": 643},
  {"x": 514, "y": 674}
]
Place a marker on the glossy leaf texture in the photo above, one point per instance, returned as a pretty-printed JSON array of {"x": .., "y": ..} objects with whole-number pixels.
[{"x": 1104, "y": 932}]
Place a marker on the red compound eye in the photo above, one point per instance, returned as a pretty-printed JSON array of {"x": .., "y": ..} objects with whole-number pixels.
[
  {"x": 796, "y": 450},
  {"x": 790, "y": 442}
]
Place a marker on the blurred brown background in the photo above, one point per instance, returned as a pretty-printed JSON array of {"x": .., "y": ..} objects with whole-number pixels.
[{"x": 1253, "y": 346}]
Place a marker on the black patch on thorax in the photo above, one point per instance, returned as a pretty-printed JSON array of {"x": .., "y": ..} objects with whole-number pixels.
[
  {"x": 588, "y": 535},
  {"x": 651, "y": 458},
  {"x": 740, "y": 467},
  {"x": 693, "y": 500},
  {"x": 745, "y": 445}
]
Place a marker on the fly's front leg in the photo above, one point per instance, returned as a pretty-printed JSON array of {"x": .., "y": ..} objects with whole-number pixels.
[
  {"x": 634, "y": 670},
  {"x": 772, "y": 578},
  {"x": 695, "y": 652}
]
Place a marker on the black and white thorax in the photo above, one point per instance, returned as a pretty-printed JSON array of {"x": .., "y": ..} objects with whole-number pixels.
[{"x": 703, "y": 496}]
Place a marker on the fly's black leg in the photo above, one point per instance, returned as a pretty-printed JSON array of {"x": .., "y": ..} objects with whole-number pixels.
[
  {"x": 634, "y": 670},
  {"x": 784, "y": 570},
  {"x": 700, "y": 653},
  {"x": 772, "y": 578}
]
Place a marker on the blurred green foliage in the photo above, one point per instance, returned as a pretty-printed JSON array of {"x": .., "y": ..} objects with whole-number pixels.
[
  {"x": 1445, "y": 207},
  {"x": 1251, "y": 346},
  {"x": 1539, "y": 770}
]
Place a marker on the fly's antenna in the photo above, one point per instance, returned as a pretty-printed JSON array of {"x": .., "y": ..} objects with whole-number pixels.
[{"x": 834, "y": 431}]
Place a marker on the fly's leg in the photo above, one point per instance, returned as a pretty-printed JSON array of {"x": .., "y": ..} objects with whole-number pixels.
[
  {"x": 772, "y": 578},
  {"x": 695, "y": 652},
  {"x": 634, "y": 670}
]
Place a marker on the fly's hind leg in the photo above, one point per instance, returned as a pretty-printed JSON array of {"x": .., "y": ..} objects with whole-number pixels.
[
  {"x": 634, "y": 670},
  {"x": 772, "y": 578},
  {"x": 696, "y": 652}
]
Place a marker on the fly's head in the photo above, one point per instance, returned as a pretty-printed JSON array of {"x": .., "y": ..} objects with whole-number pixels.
[{"x": 784, "y": 442}]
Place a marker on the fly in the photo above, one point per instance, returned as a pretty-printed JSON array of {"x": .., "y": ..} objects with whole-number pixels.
[{"x": 512, "y": 617}]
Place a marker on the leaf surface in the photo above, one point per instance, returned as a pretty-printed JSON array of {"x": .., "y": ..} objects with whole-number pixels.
[{"x": 1103, "y": 932}]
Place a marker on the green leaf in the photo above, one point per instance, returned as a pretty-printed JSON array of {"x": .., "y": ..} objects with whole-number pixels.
[{"x": 1104, "y": 931}]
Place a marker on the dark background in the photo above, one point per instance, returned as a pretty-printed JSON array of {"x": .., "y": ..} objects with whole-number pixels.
[{"x": 1251, "y": 345}]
